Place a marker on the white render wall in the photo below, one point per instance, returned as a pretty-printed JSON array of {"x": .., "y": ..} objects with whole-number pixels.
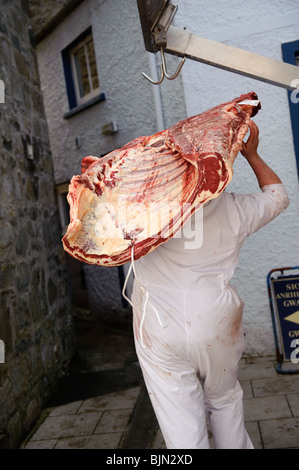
[
  {"x": 259, "y": 27},
  {"x": 121, "y": 57}
]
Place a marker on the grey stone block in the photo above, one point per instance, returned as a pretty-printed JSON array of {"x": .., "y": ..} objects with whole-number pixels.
[{"x": 280, "y": 433}]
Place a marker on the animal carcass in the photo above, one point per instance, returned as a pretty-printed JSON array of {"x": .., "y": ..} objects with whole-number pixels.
[{"x": 139, "y": 196}]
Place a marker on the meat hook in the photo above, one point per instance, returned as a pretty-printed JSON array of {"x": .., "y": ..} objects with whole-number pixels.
[{"x": 164, "y": 70}]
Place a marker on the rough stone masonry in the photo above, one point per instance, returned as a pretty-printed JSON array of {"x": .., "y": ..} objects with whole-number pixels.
[{"x": 36, "y": 329}]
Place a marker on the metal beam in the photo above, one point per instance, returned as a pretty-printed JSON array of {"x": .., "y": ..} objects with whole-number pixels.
[{"x": 185, "y": 44}]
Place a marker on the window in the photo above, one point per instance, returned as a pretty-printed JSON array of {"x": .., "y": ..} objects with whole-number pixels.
[
  {"x": 85, "y": 70},
  {"x": 290, "y": 52},
  {"x": 81, "y": 75}
]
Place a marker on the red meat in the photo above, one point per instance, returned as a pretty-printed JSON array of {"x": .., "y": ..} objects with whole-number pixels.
[{"x": 141, "y": 195}]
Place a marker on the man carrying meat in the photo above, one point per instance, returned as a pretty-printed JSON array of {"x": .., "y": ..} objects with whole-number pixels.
[{"x": 190, "y": 366}]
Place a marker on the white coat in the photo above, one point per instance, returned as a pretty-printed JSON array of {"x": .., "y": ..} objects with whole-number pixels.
[{"x": 190, "y": 362}]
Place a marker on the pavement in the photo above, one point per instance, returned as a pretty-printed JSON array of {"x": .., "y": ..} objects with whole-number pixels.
[{"x": 103, "y": 404}]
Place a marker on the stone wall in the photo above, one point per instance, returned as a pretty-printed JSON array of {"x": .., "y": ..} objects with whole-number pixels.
[{"x": 35, "y": 320}]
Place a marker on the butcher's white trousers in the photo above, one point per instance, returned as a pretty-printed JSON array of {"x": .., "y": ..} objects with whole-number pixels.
[{"x": 190, "y": 365}]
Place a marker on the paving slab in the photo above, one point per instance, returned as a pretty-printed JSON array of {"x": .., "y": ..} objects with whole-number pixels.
[
  {"x": 280, "y": 385},
  {"x": 253, "y": 430},
  {"x": 100, "y": 441},
  {"x": 280, "y": 433},
  {"x": 294, "y": 403},
  {"x": 113, "y": 421},
  {"x": 257, "y": 367},
  {"x": 247, "y": 388},
  {"x": 257, "y": 409},
  {"x": 159, "y": 442},
  {"x": 68, "y": 409},
  {"x": 55, "y": 427},
  {"x": 45, "y": 444},
  {"x": 112, "y": 401}
]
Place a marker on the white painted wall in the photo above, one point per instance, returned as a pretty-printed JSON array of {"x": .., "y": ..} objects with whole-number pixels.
[
  {"x": 259, "y": 27},
  {"x": 121, "y": 57}
]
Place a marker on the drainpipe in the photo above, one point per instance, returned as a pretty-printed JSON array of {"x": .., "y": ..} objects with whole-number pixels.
[
  {"x": 156, "y": 92},
  {"x": 123, "y": 270}
]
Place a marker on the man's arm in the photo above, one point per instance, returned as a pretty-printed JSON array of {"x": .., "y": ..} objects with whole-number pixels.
[{"x": 265, "y": 175}]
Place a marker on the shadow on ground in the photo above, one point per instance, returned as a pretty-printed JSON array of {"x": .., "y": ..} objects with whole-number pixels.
[{"x": 105, "y": 361}]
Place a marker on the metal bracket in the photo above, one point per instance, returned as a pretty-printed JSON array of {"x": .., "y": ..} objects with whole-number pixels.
[
  {"x": 185, "y": 44},
  {"x": 156, "y": 17},
  {"x": 159, "y": 36},
  {"x": 161, "y": 25},
  {"x": 159, "y": 31}
]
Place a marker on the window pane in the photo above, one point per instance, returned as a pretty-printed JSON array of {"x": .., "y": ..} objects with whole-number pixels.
[
  {"x": 82, "y": 72},
  {"x": 92, "y": 64}
]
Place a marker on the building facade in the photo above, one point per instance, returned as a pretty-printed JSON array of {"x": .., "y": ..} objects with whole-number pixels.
[
  {"x": 91, "y": 62},
  {"x": 122, "y": 106}
]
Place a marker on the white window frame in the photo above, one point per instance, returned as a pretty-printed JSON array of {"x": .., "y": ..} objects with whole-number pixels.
[{"x": 94, "y": 92}]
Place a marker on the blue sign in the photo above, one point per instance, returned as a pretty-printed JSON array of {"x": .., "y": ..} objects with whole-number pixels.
[{"x": 286, "y": 300}]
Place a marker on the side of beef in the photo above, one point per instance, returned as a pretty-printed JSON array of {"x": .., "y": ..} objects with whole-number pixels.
[{"x": 139, "y": 196}]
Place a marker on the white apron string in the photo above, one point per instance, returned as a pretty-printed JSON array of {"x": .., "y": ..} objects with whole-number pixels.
[{"x": 144, "y": 292}]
